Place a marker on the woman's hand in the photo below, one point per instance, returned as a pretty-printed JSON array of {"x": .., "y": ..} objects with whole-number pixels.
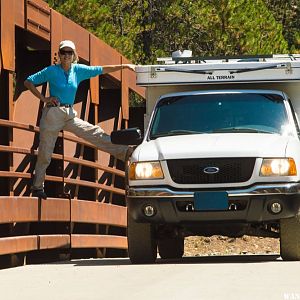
[
  {"x": 129, "y": 66},
  {"x": 31, "y": 87}
]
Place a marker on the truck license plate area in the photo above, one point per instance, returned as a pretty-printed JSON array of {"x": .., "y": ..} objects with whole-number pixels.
[{"x": 205, "y": 201}]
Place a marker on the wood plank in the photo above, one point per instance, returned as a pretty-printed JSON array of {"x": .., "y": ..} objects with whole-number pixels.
[
  {"x": 98, "y": 213},
  {"x": 18, "y": 209},
  {"x": 54, "y": 241},
  {"x": 17, "y": 244},
  {"x": 98, "y": 241}
]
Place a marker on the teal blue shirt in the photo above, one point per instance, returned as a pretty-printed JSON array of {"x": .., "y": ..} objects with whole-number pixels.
[{"x": 63, "y": 85}]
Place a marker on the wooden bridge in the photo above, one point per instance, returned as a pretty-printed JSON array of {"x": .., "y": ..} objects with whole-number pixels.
[{"x": 85, "y": 214}]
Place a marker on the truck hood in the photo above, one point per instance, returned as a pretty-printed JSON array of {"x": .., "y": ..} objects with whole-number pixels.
[{"x": 213, "y": 145}]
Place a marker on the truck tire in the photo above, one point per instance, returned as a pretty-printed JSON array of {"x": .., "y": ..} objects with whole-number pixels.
[
  {"x": 142, "y": 245},
  {"x": 290, "y": 238},
  {"x": 169, "y": 248}
]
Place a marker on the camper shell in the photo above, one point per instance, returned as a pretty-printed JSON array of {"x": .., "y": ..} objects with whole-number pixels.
[{"x": 220, "y": 154}]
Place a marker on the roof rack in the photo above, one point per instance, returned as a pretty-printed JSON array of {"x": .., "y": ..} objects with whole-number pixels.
[{"x": 239, "y": 58}]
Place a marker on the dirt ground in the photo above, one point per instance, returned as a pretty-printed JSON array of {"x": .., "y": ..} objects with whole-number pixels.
[{"x": 221, "y": 245}]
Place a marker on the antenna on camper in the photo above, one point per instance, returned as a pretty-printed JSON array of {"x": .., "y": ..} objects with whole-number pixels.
[{"x": 177, "y": 57}]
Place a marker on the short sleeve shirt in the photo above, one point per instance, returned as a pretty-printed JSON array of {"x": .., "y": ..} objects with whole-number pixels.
[{"x": 63, "y": 85}]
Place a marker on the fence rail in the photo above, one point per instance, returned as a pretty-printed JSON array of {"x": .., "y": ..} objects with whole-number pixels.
[{"x": 71, "y": 217}]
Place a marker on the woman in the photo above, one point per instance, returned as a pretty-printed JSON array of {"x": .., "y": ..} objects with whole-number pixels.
[{"x": 58, "y": 113}]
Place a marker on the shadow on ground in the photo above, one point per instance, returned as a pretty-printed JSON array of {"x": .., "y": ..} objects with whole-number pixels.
[{"x": 185, "y": 260}]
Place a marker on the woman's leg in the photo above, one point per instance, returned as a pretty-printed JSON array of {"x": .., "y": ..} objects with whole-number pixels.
[
  {"x": 51, "y": 123},
  {"x": 96, "y": 136},
  {"x": 47, "y": 143}
]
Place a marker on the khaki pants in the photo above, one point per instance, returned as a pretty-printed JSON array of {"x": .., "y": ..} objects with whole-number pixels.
[{"x": 55, "y": 119}]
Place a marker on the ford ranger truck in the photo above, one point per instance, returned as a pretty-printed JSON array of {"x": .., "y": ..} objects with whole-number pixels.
[{"x": 214, "y": 161}]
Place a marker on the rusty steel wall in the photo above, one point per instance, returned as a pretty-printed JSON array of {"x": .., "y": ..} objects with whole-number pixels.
[{"x": 29, "y": 42}]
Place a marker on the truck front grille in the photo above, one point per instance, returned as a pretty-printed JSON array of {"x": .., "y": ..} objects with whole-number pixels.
[{"x": 192, "y": 171}]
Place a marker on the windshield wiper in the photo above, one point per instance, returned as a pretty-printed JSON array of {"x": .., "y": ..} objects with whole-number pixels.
[
  {"x": 241, "y": 129},
  {"x": 174, "y": 132}
]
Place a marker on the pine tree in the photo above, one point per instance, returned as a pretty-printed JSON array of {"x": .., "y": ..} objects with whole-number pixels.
[{"x": 145, "y": 29}]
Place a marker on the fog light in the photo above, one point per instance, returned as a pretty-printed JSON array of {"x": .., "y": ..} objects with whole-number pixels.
[
  {"x": 149, "y": 211},
  {"x": 276, "y": 208}
]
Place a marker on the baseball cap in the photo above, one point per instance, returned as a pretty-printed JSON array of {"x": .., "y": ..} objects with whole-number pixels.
[{"x": 67, "y": 43}]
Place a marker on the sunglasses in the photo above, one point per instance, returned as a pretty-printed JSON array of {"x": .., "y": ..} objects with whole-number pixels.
[{"x": 66, "y": 52}]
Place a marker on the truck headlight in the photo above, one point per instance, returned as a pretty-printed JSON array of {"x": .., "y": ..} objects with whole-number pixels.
[
  {"x": 278, "y": 167},
  {"x": 145, "y": 170}
]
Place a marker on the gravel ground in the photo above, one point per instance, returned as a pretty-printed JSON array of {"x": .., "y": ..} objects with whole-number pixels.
[{"x": 222, "y": 245}]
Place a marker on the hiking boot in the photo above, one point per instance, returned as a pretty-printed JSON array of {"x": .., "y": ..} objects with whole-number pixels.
[{"x": 39, "y": 193}]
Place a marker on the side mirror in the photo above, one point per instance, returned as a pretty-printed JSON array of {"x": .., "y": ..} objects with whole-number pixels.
[{"x": 131, "y": 136}]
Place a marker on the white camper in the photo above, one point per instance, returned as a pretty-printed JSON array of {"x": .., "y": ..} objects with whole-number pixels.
[{"x": 220, "y": 155}]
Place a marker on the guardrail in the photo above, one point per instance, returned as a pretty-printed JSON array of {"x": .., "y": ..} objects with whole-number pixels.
[{"x": 60, "y": 223}]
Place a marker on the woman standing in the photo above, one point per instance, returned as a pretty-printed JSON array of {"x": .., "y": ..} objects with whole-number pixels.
[{"x": 58, "y": 113}]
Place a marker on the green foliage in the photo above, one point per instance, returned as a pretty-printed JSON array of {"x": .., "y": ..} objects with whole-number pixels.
[
  {"x": 146, "y": 29},
  {"x": 287, "y": 13}
]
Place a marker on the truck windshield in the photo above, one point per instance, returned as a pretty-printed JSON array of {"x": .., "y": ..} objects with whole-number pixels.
[{"x": 219, "y": 113}]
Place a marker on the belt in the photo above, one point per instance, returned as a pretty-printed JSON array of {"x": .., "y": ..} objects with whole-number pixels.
[
  {"x": 59, "y": 105},
  {"x": 65, "y": 105}
]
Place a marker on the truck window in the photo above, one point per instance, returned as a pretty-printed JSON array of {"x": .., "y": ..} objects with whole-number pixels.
[{"x": 218, "y": 113}]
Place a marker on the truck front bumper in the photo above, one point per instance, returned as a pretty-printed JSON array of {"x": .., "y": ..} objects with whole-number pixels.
[{"x": 244, "y": 205}]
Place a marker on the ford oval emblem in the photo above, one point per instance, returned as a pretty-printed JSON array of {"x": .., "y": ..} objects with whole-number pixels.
[{"x": 211, "y": 170}]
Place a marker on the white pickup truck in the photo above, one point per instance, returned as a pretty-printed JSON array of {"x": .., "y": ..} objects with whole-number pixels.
[{"x": 221, "y": 154}]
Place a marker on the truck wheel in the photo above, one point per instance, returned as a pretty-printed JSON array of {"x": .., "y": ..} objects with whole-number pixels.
[
  {"x": 290, "y": 238},
  {"x": 171, "y": 247},
  {"x": 142, "y": 245}
]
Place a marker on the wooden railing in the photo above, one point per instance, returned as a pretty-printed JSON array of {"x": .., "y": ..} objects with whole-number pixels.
[{"x": 29, "y": 211}]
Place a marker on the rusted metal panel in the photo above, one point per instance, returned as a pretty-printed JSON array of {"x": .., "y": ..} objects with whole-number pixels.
[
  {"x": 94, "y": 185},
  {"x": 98, "y": 241},
  {"x": 106, "y": 55},
  {"x": 131, "y": 79},
  {"x": 80, "y": 36},
  {"x": 18, "y": 209},
  {"x": 125, "y": 92},
  {"x": 98, "y": 213},
  {"x": 38, "y": 18},
  {"x": 87, "y": 163},
  {"x": 18, "y": 244},
  {"x": 19, "y": 13},
  {"x": 8, "y": 34},
  {"x": 10, "y": 95},
  {"x": 10, "y": 174},
  {"x": 56, "y": 34},
  {"x": 55, "y": 210},
  {"x": 54, "y": 241},
  {"x": 95, "y": 60}
]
